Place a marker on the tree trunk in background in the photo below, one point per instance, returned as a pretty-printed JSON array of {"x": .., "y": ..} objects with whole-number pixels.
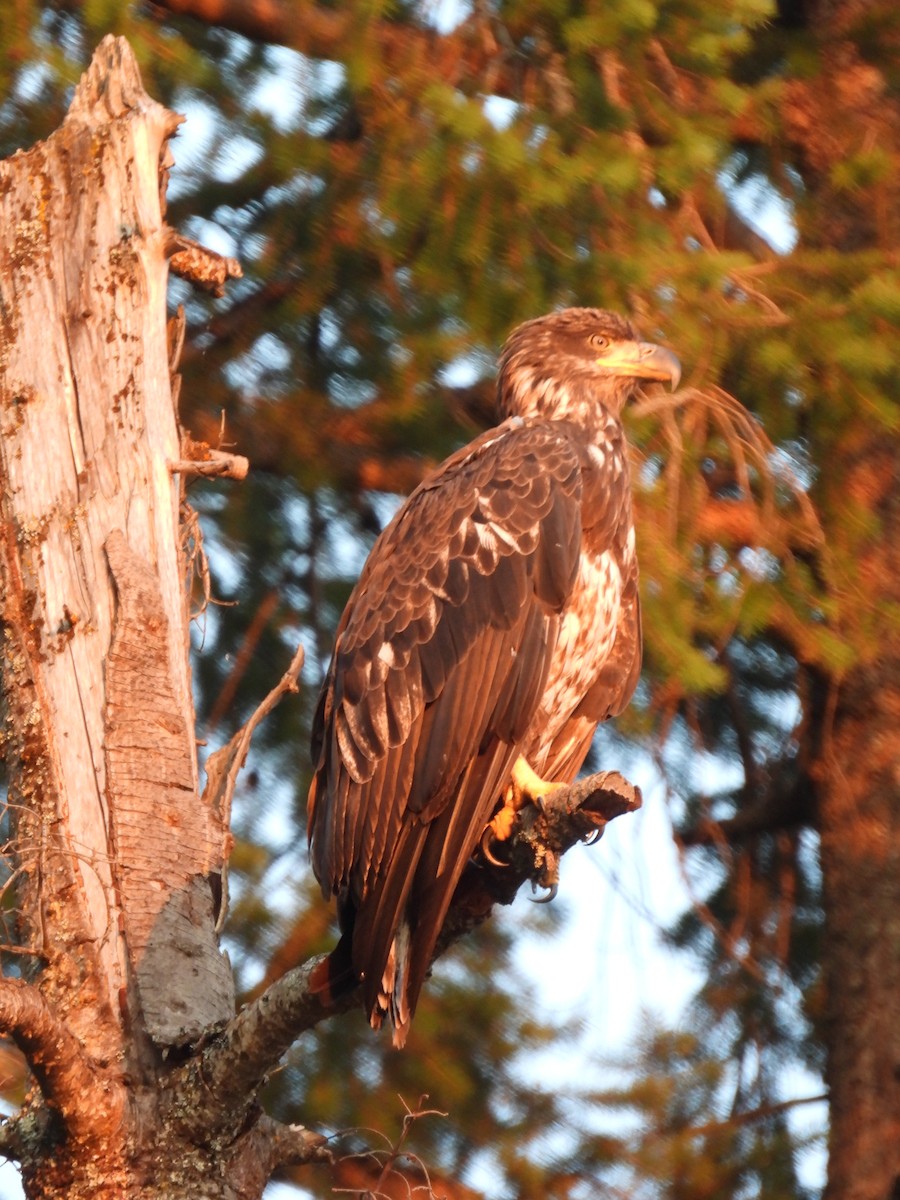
[
  {"x": 846, "y": 109},
  {"x": 859, "y": 824}
]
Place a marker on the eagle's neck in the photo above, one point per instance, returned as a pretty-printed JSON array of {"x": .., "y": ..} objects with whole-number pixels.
[{"x": 529, "y": 392}]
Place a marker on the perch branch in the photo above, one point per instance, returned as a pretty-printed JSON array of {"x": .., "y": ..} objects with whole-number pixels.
[
  {"x": 236, "y": 1061},
  {"x": 541, "y": 836},
  {"x": 227, "y": 1073}
]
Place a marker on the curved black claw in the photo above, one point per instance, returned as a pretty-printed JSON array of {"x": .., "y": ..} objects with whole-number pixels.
[
  {"x": 486, "y": 839},
  {"x": 594, "y": 836},
  {"x": 549, "y": 894}
]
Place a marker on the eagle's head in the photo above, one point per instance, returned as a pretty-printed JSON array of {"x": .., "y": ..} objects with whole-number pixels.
[{"x": 566, "y": 364}]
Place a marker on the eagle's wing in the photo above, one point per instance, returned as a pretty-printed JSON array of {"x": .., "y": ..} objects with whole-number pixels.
[{"x": 439, "y": 665}]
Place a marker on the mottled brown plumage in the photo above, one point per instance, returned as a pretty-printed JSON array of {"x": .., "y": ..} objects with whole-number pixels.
[{"x": 496, "y": 617}]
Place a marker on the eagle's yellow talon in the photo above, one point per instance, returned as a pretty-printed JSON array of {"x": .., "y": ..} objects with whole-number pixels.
[{"x": 526, "y": 787}]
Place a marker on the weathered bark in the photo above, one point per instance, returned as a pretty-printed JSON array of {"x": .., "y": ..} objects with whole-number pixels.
[
  {"x": 859, "y": 823},
  {"x": 119, "y": 861},
  {"x": 93, "y": 574}
]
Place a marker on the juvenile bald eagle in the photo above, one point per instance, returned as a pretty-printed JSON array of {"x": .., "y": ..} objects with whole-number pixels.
[{"x": 494, "y": 625}]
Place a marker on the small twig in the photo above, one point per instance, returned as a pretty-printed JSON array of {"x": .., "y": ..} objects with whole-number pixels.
[
  {"x": 196, "y": 558},
  {"x": 748, "y": 445},
  {"x": 202, "y": 267},
  {"x": 408, "y": 1121},
  {"x": 224, "y": 765},
  {"x": 176, "y": 327},
  {"x": 705, "y": 914},
  {"x": 215, "y": 464}
]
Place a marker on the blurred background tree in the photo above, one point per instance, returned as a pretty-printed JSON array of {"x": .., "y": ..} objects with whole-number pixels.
[{"x": 403, "y": 183}]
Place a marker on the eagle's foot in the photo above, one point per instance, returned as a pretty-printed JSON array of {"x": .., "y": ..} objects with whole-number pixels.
[{"x": 526, "y": 787}]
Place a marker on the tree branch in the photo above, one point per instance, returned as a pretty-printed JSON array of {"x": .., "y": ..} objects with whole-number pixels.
[
  {"x": 270, "y": 1146},
  {"x": 24, "y": 1135},
  {"x": 313, "y": 30},
  {"x": 777, "y": 808},
  {"x": 763, "y": 1113},
  {"x": 201, "y": 459},
  {"x": 230, "y": 1069},
  {"x": 204, "y": 268},
  {"x": 68, "y": 1080},
  {"x": 225, "y": 1076},
  {"x": 468, "y": 52}
]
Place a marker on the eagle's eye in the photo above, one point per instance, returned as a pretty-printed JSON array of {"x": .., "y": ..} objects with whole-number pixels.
[{"x": 598, "y": 341}]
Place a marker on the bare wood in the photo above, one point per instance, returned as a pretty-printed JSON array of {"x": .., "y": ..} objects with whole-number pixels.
[
  {"x": 87, "y": 436},
  {"x": 168, "y": 848},
  {"x": 119, "y": 860},
  {"x": 199, "y": 458},
  {"x": 218, "y": 464}
]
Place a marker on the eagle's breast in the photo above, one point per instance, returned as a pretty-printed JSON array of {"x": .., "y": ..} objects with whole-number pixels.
[{"x": 591, "y": 621}]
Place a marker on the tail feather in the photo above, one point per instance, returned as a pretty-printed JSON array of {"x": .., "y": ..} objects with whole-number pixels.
[
  {"x": 395, "y": 933},
  {"x": 391, "y": 1001}
]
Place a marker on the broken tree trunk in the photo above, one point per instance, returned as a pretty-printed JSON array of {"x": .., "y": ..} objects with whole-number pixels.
[{"x": 118, "y": 864}]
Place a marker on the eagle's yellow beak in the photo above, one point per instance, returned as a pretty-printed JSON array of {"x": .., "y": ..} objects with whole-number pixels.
[{"x": 642, "y": 360}]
